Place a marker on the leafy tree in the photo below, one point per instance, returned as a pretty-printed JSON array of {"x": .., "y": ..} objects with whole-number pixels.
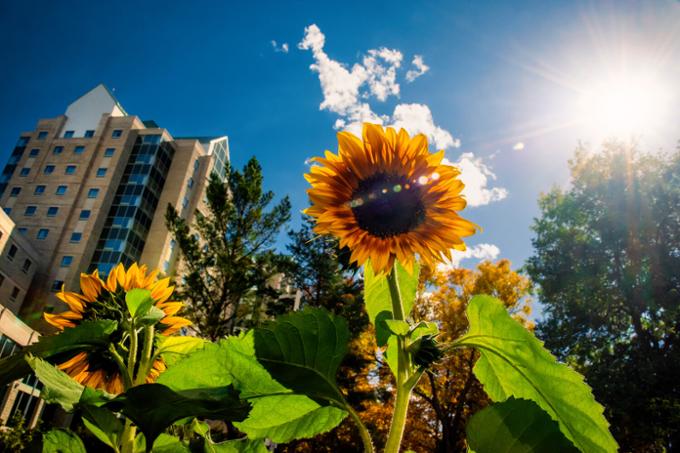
[
  {"x": 449, "y": 394},
  {"x": 227, "y": 256},
  {"x": 607, "y": 262}
]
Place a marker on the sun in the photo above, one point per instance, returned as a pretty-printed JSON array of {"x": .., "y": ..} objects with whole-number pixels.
[{"x": 624, "y": 103}]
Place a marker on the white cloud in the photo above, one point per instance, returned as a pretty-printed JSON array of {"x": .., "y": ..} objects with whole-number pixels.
[
  {"x": 280, "y": 48},
  {"x": 476, "y": 176},
  {"x": 420, "y": 68},
  {"x": 417, "y": 119},
  {"x": 348, "y": 92},
  {"x": 479, "y": 252},
  {"x": 519, "y": 146}
]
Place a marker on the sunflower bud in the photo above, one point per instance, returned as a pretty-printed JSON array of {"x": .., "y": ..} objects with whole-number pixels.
[{"x": 426, "y": 351}]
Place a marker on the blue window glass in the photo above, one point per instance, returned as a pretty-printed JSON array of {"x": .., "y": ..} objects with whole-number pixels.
[
  {"x": 30, "y": 210},
  {"x": 76, "y": 237},
  {"x": 70, "y": 170},
  {"x": 23, "y": 231},
  {"x": 23, "y": 141},
  {"x": 8, "y": 211},
  {"x": 185, "y": 202},
  {"x": 24, "y": 171},
  {"x": 57, "y": 286},
  {"x": 49, "y": 169},
  {"x": 61, "y": 190},
  {"x": 39, "y": 190},
  {"x": 42, "y": 135},
  {"x": 15, "y": 191},
  {"x": 109, "y": 152},
  {"x": 52, "y": 211},
  {"x": 66, "y": 260},
  {"x": 190, "y": 183},
  {"x": 85, "y": 214},
  {"x": 42, "y": 233},
  {"x": 58, "y": 150},
  {"x": 92, "y": 193},
  {"x": 34, "y": 152},
  {"x": 79, "y": 150},
  {"x": 89, "y": 133},
  {"x": 101, "y": 172},
  {"x": 68, "y": 134},
  {"x": 117, "y": 133},
  {"x": 196, "y": 164}
]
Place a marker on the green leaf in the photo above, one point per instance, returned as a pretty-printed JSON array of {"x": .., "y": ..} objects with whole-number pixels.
[
  {"x": 398, "y": 327},
  {"x": 423, "y": 328},
  {"x": 56, "y": 348},
  {"x": 284, "y": 418},
  {"x": 173, "y": 348},
  {"x": 302, "y": 351},
  {"x": 169, "y": 444},
  {"x": 154, "y": 407},
  {"x": 236, "y": 446},
  {"x": 515, "y": 426},
  {"x": 514, "y": 363},
  {"x": 138, "y": 302},
  {"x": 379, "y": 301},
  {"x": 151, "y": 316},
  {"x": 103, "y": 424},
  {"x": 59, "y": 388},
  {"x": 62, "y": 441}
]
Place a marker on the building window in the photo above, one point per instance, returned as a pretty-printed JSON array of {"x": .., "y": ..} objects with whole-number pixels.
[
  {"x": 49, "y": 169},
  {"x": 190, "y": 184},
  {"x": 76, "y": 237},
  {"x": 84, "y": 214},
  {"x": 15, "y": 191},
  {"x": 39, "y": 190},
  {"x": 8, "y": 211},
  {"x": 57, "y": 285},
  {"x": 42, "y": 233},
  {"x": 101, "y": 172},
  {"x": 30, "y": 210},
  {"x": 68, "y": 134},
  {"x": 61, "y": 190},
  {"x": 2, "y": 279},
  {"x": 79, "y": 150},
  {"x": 42, "y": 135},
  {"x": 15, "y": 294},
  {"x": 185, "y": 202},
  {"x": 109, "y": 152},
  {"x": 12, "y": 252},
  {"x": 24, "y": 171},
  {"x": 92, "y": 193},
  {"x": 66, "y": 260},
  {"x": 117, "y": 133},
  {"x": 34, "y": 152},
  {"x": 23, "y": 231},
  {"x": 58, "y": 150},
  {"x": 52, "y": 211},
  {"x": 196, "y": 164},
  {"x": 173, "y": 244},
  {"x": 23, "y": 141},
  {"x": 26, "y": 266},
  {"x": 89, "y": 133},
  {"x": 70, "y": 170}
]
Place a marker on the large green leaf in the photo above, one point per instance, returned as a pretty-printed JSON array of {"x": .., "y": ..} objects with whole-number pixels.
[
  {"x": 154, "y": 407},
  {"x": 236, "y": 446},
  {"x": 515, "y": 426},
  {"x": 283, "y": 418},
  {"x": 378, "y": 299},
  {"x": 175, "y": 347},
  {"x": 233, "y": 362},
  {"x": 103, "y": 424},
  {"x": 302, "y": 351},
  {"x": 54, "y": 348},
  {"x": 514, "y": 363},
  {"x": 62, "y": 441},
  {"x": 58, "y": 387}
]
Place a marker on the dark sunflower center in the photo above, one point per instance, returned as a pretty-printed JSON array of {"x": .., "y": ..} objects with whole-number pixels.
[{"x": 387, "y": 205}]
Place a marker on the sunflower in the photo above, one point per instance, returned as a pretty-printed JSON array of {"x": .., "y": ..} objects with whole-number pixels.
[
  {"x": 388, "y": 198},
  {"x": 104, "y": 299}
]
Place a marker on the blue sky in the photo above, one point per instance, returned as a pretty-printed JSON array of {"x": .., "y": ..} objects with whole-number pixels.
[{"x": 514, "y": 83}]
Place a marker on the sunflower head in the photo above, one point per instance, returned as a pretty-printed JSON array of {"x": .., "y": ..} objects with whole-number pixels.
[
  {"x": 105, "y": 299},
  {"x": 387, "y": 197}
]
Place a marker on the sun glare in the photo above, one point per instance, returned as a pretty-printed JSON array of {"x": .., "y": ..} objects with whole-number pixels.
[{"x": 624, "y": 104}]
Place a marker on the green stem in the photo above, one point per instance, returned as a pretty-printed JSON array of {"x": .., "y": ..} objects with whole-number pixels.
[
  {"x": 132, "y": 353},
  {"x": 145, "y": 363},
  {"x": 128, "y": 437},
  {"x": 363, "y": 431},
  {"x": 127, "y": 376},
  {"x": 403, "y": 370}
]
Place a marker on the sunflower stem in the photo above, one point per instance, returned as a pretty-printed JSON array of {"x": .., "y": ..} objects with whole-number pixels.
[
  {"x": 403, "y": 370},
  {"x": 127, "y": 378},
  {"x": 132, "y": 353},
  {"x": 128, "y": 437},
  {"x": 363, "y": 431},
  {"x": 145, "y": 363}
]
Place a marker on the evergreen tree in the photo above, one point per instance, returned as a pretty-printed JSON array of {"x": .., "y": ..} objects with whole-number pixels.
[{"x": 227, "y": 257}]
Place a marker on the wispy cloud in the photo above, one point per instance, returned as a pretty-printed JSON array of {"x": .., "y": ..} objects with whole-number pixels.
[
  {"x": 419, "y": 68},
  {"x": 283, "y": 48},
  {"x": 479, "y": 252},
  {"x": 348, "y": 90}
]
